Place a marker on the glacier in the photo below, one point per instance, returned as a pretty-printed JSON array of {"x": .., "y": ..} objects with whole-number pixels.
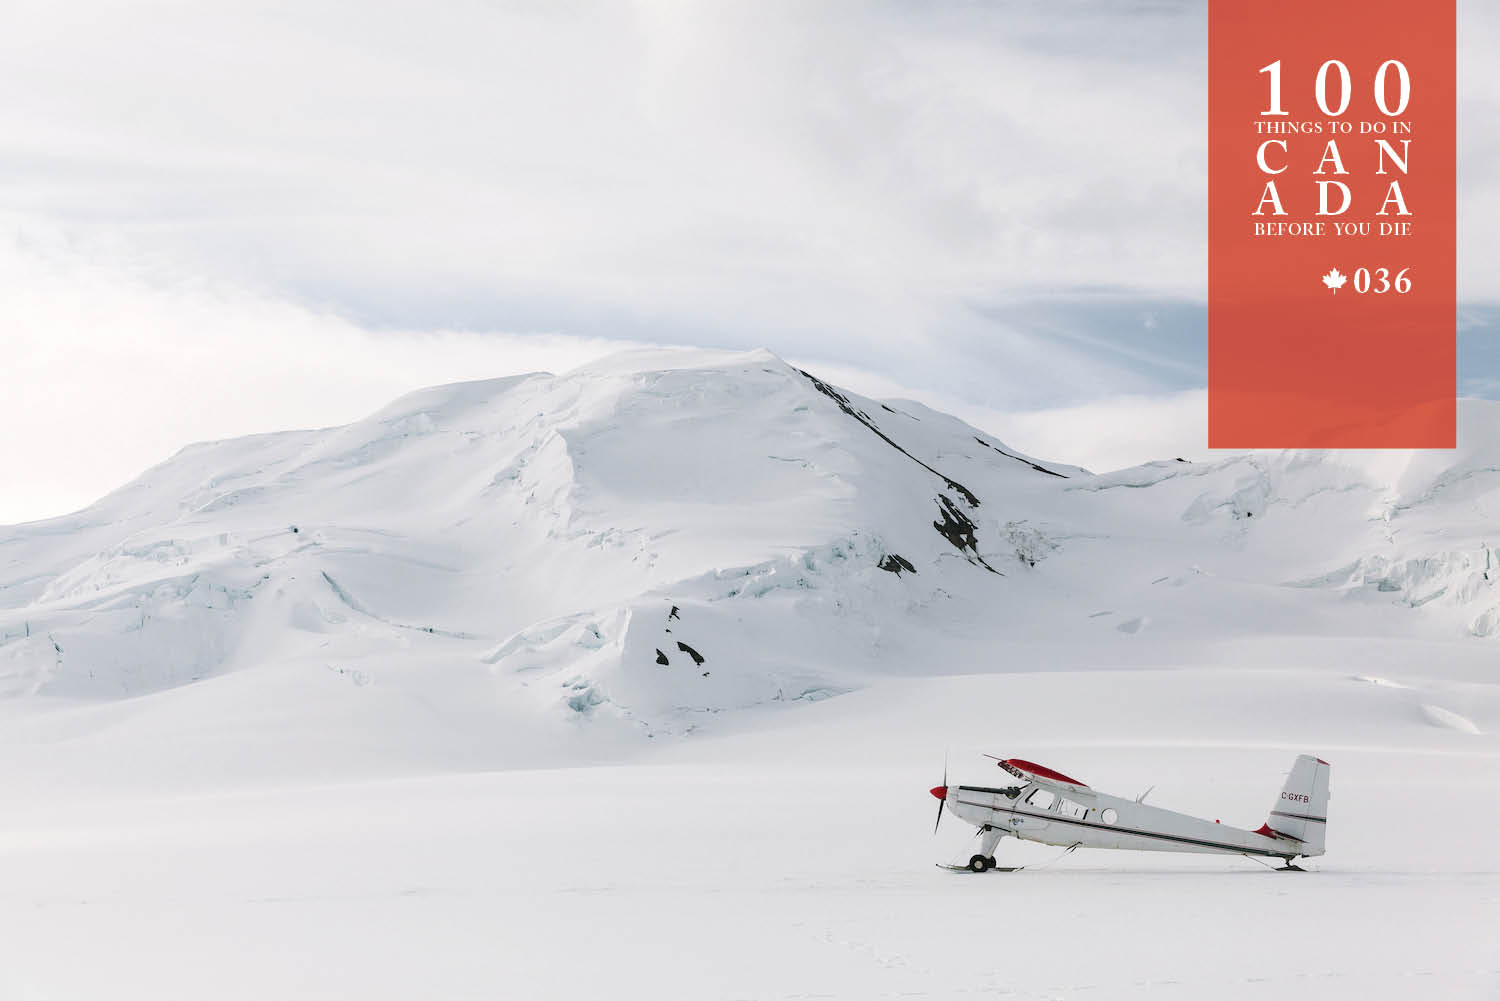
[{"x": 630, "y": 681}]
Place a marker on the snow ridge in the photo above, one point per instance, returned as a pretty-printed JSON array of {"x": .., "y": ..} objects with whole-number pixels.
[{"x": 643, "y": 544}]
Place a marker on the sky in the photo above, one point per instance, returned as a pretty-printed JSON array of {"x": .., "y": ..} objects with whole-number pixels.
[{"x": 219, "y": 219}]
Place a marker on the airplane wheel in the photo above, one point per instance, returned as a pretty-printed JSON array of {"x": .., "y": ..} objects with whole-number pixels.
[
  {"x": 980, "y": 863},
  {"x": 991, "y": 861}
]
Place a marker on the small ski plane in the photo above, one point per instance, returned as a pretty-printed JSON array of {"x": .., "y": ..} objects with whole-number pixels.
[{"x": 1049, "y": 807}]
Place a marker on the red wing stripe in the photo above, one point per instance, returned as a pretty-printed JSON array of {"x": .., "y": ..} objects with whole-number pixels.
[{"x": 1043, "y": 771}]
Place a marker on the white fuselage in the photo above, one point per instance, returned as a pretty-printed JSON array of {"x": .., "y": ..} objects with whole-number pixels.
[{"x": 1062, "y": 815}]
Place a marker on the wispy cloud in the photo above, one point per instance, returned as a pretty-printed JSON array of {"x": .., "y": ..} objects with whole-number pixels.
[
  {"x": 1001, "y": 204},
  {"x": 766, "y": 170}
]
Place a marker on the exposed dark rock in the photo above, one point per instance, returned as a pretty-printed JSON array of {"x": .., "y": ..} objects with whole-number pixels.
[
  {"x": 1040, "y": 469},
  {"x": 864, "y": 418},
  {"x": 661, "y": 658},
  {"x": 959, "y": 531},
  {"x": 673, "y": 614},
  {"x": 697, "y": 657},
  {"x": 955, "y": 526},
  {"x": 895, "y": 564}
]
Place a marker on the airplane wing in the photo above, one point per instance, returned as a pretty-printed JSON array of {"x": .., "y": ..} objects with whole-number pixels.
[{"x": 1030, "y": 771}]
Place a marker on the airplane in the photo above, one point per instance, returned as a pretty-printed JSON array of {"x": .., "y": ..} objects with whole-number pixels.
[{"x": 1048, "y": 807}]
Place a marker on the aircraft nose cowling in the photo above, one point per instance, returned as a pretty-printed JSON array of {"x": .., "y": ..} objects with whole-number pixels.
[{"x": 941, "y": 792}]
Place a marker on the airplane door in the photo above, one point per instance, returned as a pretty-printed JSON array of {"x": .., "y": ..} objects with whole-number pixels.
[{"x": 1037, "y": 801}]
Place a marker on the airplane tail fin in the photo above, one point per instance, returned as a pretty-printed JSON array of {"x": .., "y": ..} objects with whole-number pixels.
[{"x": 1301, "y": 811}]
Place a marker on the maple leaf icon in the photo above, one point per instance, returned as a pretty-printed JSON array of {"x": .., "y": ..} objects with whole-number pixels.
[{"x": 1334, "y": 279}]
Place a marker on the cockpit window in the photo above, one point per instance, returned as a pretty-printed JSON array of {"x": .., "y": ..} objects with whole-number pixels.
[{"x": 1040, "y": 798}]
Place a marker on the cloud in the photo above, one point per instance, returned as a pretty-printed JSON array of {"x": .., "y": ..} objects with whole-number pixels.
[
  {"x": 767, "y": 170},
  {"x": 251, "y": 213}
]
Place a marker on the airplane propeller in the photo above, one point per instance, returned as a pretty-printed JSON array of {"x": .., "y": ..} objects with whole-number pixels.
[{"x": 941, "y": 792}]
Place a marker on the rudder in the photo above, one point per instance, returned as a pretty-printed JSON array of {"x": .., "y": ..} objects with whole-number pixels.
[{"x": 1301, "y": 811}]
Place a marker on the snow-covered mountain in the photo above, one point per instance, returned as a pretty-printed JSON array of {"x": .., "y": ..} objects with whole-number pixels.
[
  {"x": 641, "y": 544},
  {"x": 367, "y": 711}
]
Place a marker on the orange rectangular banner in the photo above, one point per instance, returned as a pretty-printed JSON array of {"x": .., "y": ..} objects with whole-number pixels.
[{"x": 1332, "y": 271}]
